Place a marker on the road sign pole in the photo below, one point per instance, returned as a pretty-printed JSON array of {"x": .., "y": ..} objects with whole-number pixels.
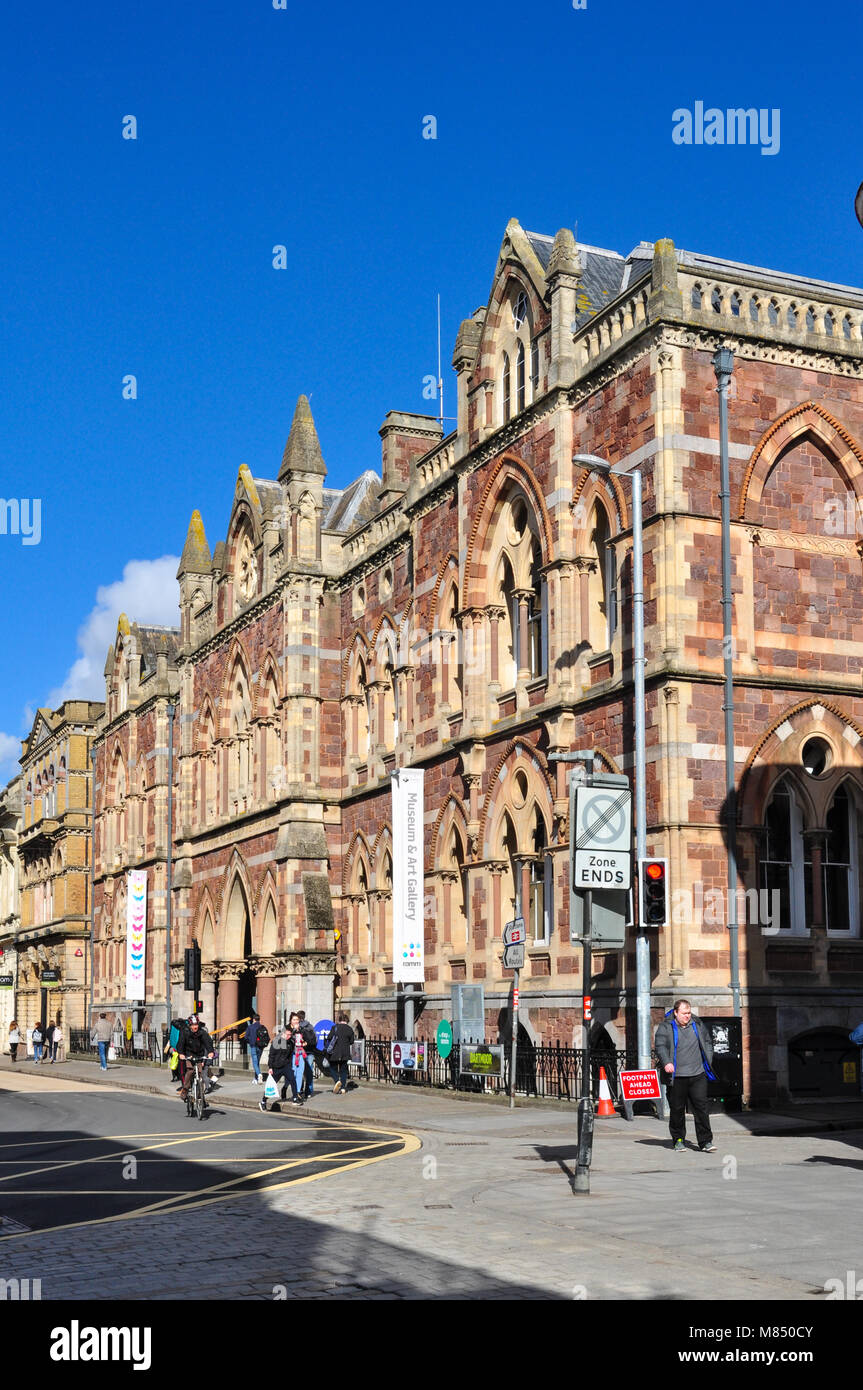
[
  {"x": 514, "y": 1041},
  {"x": 581, "y": 1182}
]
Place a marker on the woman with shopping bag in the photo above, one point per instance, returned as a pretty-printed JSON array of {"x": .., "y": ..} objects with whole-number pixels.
[{"x": 280, "y": 1070}]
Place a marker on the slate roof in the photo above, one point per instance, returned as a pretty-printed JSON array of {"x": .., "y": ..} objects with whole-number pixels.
[
  {"x": 151, "y": 641},
  {"x": 606, "y": 273},
  {"x": 352, "y": 506}
]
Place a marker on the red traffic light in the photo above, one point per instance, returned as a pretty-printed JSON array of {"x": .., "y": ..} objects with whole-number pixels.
[{"x": 655, "y": 871}]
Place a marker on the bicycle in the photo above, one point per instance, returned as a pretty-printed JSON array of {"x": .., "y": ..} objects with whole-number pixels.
[{"x": 196, "y": 1097}]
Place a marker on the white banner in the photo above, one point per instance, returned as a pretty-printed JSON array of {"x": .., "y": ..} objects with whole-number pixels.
[
  {"x": 408, "y": 875},
  {"x": 136, "y": 934}
]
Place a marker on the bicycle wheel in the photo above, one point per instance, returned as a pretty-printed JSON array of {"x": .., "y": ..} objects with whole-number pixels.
[{"x": 200, "y": 1099}]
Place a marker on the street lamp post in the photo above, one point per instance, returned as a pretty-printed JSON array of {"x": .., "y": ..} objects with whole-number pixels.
[{"x": 642, "y": 944}]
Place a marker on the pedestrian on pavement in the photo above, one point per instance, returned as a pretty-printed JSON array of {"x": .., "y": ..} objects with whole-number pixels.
[
  {"x": 280, "y": 1067},
  {"x": 48, "y": 1039},
  {"x": 102, "y": 1037},
  {"x": 685, "y": 1051},
  {"x": 56, "y": 1041},
  {"x": 38, "y": 1038},
  {"x": 14, "y": 1040},
  {"x": 298, "y": 1051},
  {"x": 310, "y": 1039},
  {"x": 337, "y": 1049},
  {"x": 256, "y": 1038},
  {"x": 174, "y": 1046}
]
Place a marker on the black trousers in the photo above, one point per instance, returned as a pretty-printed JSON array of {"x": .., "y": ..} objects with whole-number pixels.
[{"x": 693, "y": 1089}]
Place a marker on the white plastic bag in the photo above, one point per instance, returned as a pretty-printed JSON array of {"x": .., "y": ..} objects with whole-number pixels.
[
  {"x": 112, "y": 1053},
  {"x": 271, "y": 1090}
]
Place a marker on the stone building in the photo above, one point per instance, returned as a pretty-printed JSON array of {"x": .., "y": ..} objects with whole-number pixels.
[
  {"x": 10, "y": 911},
  {"x": 469, "y": 612},
  {"x": 54, "y": 853},
  {"x": 133, "y": 801}
]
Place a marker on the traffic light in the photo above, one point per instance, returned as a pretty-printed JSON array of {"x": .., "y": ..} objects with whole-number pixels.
[
  {"x": 192, "y": 969},
  {"x": 653, "y": 892}
]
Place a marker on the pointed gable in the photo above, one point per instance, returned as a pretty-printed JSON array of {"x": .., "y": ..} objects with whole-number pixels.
[
  {"x": 303, "y": 449},
  {"x": 196, "y": 557}
]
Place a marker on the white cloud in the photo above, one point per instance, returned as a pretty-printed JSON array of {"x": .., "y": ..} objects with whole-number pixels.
[
  {"x": 10, "y": 752},
  {"x": 147, "y": 593}
]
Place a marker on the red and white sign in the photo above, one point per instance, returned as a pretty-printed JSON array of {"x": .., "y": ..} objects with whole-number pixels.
[
  {"x": 515, "y": 999},
  {"x": 640, "y": 1085},
  {"x": 586, "y": 1014}
]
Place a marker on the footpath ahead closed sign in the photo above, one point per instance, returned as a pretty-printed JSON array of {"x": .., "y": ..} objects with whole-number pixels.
[{"x": 640, "y": 1085}]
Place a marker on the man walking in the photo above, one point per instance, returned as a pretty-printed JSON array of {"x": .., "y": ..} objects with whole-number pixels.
[
  {"x": 256, "y": 1037},
  {"x": 102, "y": 1037},
  {"x": 685, "y": 1051}
]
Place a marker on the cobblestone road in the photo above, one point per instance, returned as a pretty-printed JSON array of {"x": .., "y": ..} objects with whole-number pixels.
[{"x": 484, "y": 1211}]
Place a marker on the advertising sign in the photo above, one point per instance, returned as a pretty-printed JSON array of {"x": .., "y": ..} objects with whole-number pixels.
[
  {"x": 6, "y": 981},
  {"x": 322, "y": 1030},
  {"x": 358, "y": 1053},
  {"x": 481, "y": 1060},
  {"x": 408, "y": 1056},
  {"x": 444, "y": 1039},
  {"x": 136, "y": 931},
  {"x": 408, "y": 873},
  {"x": 49, "y": 977},
  {"x": 640, "y": 1085}
]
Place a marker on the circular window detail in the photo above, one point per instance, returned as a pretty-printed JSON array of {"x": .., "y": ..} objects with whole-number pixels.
[
  {"x": 817, "y": 756},
  {"x": 517, "y": 521},
  {"x": 519, "y": 791}
]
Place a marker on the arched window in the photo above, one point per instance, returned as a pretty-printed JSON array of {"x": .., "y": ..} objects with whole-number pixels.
[
  {"x": 520, "y": 378},
  {"x": 509, "y": 627},
  {"x": 364, "y": 713},
  {"x": 459, "y": 917},
  {"x": 451, "y": 655},
  {"x": 536, "y": 615},
  {"x": 841, "y": 873},
  {"x": 534, "y": 369},
  {"x": 274, "y": 772},
  {"x": 386, "y": 907},
  {"x": 540, "y": 886},
  {"x": 783, "y": 870},
  {"x": 239, "y": 760},
  {"x": 506, "y": 393},
  {"x": 603, "y": 616}
]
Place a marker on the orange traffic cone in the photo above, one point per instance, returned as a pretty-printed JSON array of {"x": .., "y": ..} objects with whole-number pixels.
[{"x": 606, "y": 1104}]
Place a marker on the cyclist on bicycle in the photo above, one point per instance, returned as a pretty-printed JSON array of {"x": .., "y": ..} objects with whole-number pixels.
[{"x": 197, "y": 1046}]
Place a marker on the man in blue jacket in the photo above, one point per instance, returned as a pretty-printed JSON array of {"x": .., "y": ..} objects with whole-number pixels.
[{"x": 685, "y": 1051}]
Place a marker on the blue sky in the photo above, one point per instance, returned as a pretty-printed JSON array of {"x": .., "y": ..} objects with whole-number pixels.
[{"x": 303, "y": 127}]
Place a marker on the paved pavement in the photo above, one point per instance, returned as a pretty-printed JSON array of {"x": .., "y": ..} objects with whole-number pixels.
[{"x": 484, "y": 1208}]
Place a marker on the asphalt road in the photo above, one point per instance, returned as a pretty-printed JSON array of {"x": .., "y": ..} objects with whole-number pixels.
[{"x": 73, "y": 1156}]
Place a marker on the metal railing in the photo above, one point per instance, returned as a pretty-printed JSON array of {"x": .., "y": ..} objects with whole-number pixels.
[
  {"x": 553, "y": 1072},
  {"x": 141, "y": 1047}
]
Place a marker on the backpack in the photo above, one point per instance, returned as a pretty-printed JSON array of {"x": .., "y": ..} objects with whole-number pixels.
[
  {"x": 332, "y": 1039},
  {"x": 37, "y": 1035},
  {"x": 310, "y": 1037},
  {"x": 262, "y": 1037}
]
